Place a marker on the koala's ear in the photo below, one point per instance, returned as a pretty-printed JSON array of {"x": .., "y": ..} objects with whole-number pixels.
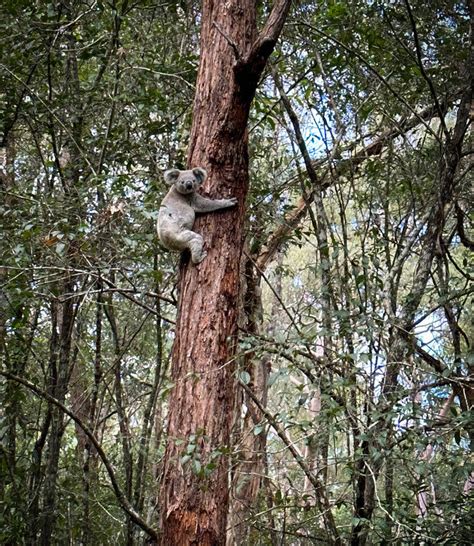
[
  {"x": 171, "y": 176},
  {"x": 200, "y": 174}
]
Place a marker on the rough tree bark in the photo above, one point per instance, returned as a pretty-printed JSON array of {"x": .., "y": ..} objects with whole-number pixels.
[{"x": 194, "y": 496}]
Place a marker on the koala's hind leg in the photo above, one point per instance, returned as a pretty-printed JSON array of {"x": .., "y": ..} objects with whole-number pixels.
[{"x": 194, "y": 242}]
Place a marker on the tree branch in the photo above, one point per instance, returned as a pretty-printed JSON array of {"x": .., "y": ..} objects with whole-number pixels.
[
  {"x": 235, "y": 49},
  {"x": 249, "y": 69},
  {"x": 123, "y": 501},
  {"x": 460, "y": 215},
  {"x": 315, "y": 482},
  {"x": 423, "y": 71},
  {"x": 376, "y": 73},
  {"x": 294, "y": 217},
  {"x": 434, "y": 362},
  {"x": 271, "y": 31}
]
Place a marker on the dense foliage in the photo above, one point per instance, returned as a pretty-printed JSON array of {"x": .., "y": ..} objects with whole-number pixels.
[{"x": 355, "y": 362}]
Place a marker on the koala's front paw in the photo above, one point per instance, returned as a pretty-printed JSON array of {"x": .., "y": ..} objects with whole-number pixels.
[
  {"x": 199, "y": 258},
  {"x": 233, "y": 201}
]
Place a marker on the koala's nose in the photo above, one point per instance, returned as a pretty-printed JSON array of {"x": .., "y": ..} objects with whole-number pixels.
[{"x": 189, "y": 185}]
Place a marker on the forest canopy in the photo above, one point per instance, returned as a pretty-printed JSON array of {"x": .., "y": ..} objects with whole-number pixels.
[{"x": 312, "y": 381}]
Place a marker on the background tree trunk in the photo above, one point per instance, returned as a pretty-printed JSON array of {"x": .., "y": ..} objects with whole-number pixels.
[
  {"x": 194, "y": 496},
  {"x": 249, "y": 447}
]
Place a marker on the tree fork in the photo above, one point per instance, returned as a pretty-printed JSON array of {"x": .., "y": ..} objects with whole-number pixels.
[{"x": 194, "y": 495}]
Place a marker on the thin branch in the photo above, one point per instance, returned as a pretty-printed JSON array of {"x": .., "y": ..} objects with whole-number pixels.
[
  {"x": 9, "y": 125},
  {"x": 277, "y": 296},
  {"x": 373, "y": 70},
  {"x": 310, "y": 168},
  {"x": 110, "y": 122},
  {"x": 315, "y": 482},
  {"x": 132, "y": 299},
  {"x": 53, "y": 115},
  {"x": 124, "y": 503},
  {"x": 157, "y": 73},
  {"x": 232, "y": 44},
  {"x": 423, "y": 71},
  {"x": 113, "y": 46},
  {"x": 460, "y": 215},
  {"x": 435, "y": 363}
]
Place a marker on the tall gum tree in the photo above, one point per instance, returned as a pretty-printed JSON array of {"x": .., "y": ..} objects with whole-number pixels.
[{"x": 194, "y": 495}]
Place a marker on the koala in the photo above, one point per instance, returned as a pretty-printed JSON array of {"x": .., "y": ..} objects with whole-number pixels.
[{"x": 178, "y": 210}]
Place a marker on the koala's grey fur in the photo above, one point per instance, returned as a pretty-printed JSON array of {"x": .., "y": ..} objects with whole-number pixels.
[{"x": 177, "y": 211}]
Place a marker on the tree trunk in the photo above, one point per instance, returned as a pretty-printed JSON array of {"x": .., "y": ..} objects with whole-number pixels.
[
  {"x": 248, "y": 467},
  {"x": 194, "y": 495},
  {"x": 425, "y": 456},
  {"x": 60, "y": 371}
]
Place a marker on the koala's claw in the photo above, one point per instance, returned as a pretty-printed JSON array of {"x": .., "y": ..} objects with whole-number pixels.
[
  {"x": 233, "y": 201},
  {"x": 198, "y": 259}
]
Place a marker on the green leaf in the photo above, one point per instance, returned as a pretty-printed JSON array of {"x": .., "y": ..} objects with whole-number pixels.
[
  {"x": 257, "y": 429},
  {"x": 272, "y": 378},
  {"x": 244, "y": 377},
  {"x": 197, "y": 467},
  {"x": 184, "y": 459}
]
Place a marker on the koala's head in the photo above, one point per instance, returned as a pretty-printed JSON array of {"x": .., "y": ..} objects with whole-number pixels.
[{"x": 186, "y": 181}]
